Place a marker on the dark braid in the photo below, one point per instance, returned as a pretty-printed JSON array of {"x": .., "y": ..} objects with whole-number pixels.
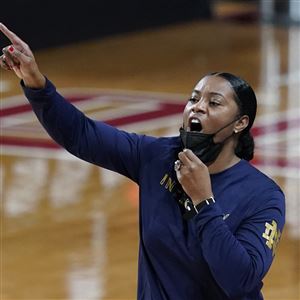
[{"x": 245, "y": 146}]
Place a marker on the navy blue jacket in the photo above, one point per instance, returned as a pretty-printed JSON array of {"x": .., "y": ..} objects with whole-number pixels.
[{"x": 222, "y": 253}]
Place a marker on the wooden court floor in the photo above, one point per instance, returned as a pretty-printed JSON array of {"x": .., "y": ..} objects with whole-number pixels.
[{"x": 69, "y": 230}]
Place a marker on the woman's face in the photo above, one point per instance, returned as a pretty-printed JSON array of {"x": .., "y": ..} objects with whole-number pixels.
[{"x": 212, "y": 104}]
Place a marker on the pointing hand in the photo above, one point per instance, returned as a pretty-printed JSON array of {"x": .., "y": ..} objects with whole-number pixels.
[{"x": 19, "y": 58}]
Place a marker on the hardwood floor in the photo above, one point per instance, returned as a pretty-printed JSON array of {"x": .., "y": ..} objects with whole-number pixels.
[{"x": 69, "y": 230}]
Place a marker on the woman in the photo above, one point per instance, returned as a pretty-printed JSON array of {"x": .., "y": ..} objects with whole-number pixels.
[{"x": 209, "y": 225}]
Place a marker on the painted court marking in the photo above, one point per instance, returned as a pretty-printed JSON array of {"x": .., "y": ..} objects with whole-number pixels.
[{"x": 277, "y": 134}]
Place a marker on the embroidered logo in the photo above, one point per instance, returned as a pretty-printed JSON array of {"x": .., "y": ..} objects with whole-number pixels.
[
  {"x": 168, "y": 182},
  {"x": 272, "y": 236}
]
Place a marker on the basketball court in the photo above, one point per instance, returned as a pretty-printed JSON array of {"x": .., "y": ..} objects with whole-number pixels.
[{"x": 69, "y": 230}]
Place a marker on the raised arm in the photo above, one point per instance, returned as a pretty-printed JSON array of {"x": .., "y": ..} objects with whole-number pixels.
[{"x": 90, "y": 140}]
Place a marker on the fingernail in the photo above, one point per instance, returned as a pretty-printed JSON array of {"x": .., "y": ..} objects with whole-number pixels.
[{"x": 11, "y": 49}]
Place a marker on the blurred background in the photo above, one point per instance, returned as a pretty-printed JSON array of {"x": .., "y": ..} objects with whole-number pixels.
[{"x": 69, "y": 230}]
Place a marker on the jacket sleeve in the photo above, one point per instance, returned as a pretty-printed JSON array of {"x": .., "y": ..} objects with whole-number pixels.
[
  {"x": 239, "y": 261},
  {"x": 92, "y": 141}
]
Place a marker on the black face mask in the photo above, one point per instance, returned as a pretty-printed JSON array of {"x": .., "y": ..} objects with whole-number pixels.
[{"x": 202, "y": 144}]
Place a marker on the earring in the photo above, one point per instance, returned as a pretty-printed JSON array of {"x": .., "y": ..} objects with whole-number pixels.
[{"x": 235, "y": 131}]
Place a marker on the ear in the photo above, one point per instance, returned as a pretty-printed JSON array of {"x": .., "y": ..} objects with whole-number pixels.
[{"x": 241, "y": 124}]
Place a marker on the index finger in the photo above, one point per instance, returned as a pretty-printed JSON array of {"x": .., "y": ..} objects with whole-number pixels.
[{"x": 10, "y": 35}]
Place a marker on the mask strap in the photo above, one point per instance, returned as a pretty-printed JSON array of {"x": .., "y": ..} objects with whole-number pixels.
[
  {"x": 237, "y": 118},
  {"x": 226, "y": 126}
]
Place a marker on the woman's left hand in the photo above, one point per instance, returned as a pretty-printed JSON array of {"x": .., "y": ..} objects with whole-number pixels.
[
  {"x": 19, "y": 58},
  {"x": 194, "y": 177}
]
